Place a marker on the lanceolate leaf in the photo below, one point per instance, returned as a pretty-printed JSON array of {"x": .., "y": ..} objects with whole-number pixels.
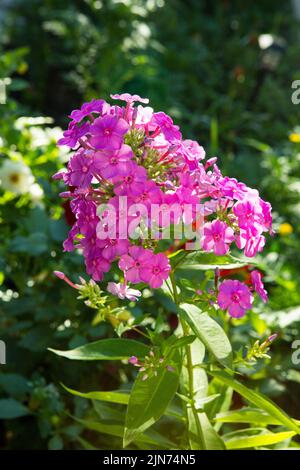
[
  {"x": 11, "y": 409},
  {"x": 258, "y": 400},
  {"x": 106, "y": 350},
  {"x": 111, "y": 397},
  {"x": 149, "y": 399},
  {"x": 248, "y": 415},
  {"x": 267, "y": 439},
  {"x": 209, "y": 332},
  {"x": 199, "y": 260},
  {"x": 117, "y": 429}
]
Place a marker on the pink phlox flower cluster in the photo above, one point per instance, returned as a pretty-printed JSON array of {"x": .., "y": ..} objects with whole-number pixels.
[{"x": 130, "y": 150}]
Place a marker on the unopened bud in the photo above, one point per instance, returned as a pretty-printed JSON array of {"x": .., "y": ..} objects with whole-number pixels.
[{"x": 133, "y": 360}]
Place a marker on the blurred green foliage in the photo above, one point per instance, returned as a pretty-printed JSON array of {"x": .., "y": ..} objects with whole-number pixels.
[{"x": 201, "y": 62}]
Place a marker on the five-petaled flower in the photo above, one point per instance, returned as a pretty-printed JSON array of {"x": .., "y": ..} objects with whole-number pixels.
[{"x": 235, "y": 297}]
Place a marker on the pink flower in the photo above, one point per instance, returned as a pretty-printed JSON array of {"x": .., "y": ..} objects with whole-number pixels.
[
  {"x": 111, "y": 248},
  {"x": 134, "y": 263},
  {"x": 258, "y": 285},
  {"x": 235, "y": 297},
  {"x": 232, "y": 188},
  {"x": 108, "y": 132},
  {"x": 192, "y": 152},
  {"x": 151, "y": 194},
  {"x": 266, "y": 209},
  {"x": 80, "y": 169},
  {"x": 94, "y": 106},
  {"x": 247, "y": 214},
  {"x": 96, "y": 266},
  {"x": 115, "y": 163},
  {"x": 170, "y": 131},
  {"x": 129, "y": 98},
  {"x": 156, "y": 271},
  {"x": 123, "y": 291},
  {"x": 73, "y": 134},
  {"x": 252, "y": 243},
  {"x": 217, "y": 236},
  {"x": 133, "y": 183},
  {"x": 143, "y": 115}
]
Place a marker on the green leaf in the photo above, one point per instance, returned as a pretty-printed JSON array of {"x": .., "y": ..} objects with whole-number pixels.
[
  {"x": 105, "y": 350},
  {"x": 221, "y": 404},
  {"x": 11, "y": 409},
  {"x": 257, "y": 399},
  {"x": 199, "y": 260},
  {"x": 117, "y": 430},
  {"x": 248, "y": 415},
  {"x": 267, "y": 439},
  {"x": 149, "y": 399},
  {"x": 14, "y": 384},
  {"x": 85, "y": 444},
  {"x": 199, "y": 424},
  {"x": 121, "y": 398},
  {"x": 173, "y": 342},
  {"x": 209, "y": 332}
]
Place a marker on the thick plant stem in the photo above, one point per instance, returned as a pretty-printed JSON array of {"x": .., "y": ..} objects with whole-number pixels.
[{"x": 188, "y": 353}]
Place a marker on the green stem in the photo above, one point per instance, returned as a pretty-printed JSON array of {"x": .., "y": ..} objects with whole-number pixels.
[
  {"x": 140, "y": 332},
  {"x": 188, "y": 353}
]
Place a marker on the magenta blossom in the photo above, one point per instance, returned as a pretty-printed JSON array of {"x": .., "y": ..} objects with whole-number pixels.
[
  {"x": 258, "y": 285},
  {"x": 112, "y": 248},
  {"x": 129, "y": 98},
  {"x": 156, "y": 271},
  {"x": 247, "y": 213},
  {"x": 96, "y": 266},
  {"x": 170, "y": 131},
  {"x": 151, "y": 194},
  {"x": 133, "y": 183},
  {"x": 235, "y": 297},
  {"x": 94, "y": 106},
  {"x": 81, "y": 168},
  {"x": 192, "y": 152},
  {"x": 217, "y": 237},
  {"x": 73, "y": 134},
  {"x": 108, "y": 132},
  {"x": 251, "y": 243},
  {"x": 135, "y": 262},
  {"x": 123, "y": 291},
  {"x": 115, "y": 163}
]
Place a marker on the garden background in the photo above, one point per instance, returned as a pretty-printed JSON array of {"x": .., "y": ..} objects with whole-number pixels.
[{"x": 224, "y": 71}]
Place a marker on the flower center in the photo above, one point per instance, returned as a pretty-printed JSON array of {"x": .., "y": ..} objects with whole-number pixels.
[
  {"x": 84, "y": 169},
  {"x": 217, "y": 237},
  {"x": 128, "y": 179},
  {"x": 137, "y": 264},
  {"x": 107, "y": 131},
  {"x": 235, "y": 298},
  {"x": 14, "y": 177},
  {"x": 113, "y": 161},
  {"x": 156, "y": 270}
]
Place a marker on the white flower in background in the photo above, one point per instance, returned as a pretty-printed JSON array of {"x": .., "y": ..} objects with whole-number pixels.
[
  {"x": 16, "y": 177},
  {"x": 36, "y": 192},
  {"x": 40, "y": 136}
]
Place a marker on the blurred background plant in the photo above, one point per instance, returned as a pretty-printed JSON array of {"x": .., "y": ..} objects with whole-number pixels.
[{"x": 224, "y": 71}]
